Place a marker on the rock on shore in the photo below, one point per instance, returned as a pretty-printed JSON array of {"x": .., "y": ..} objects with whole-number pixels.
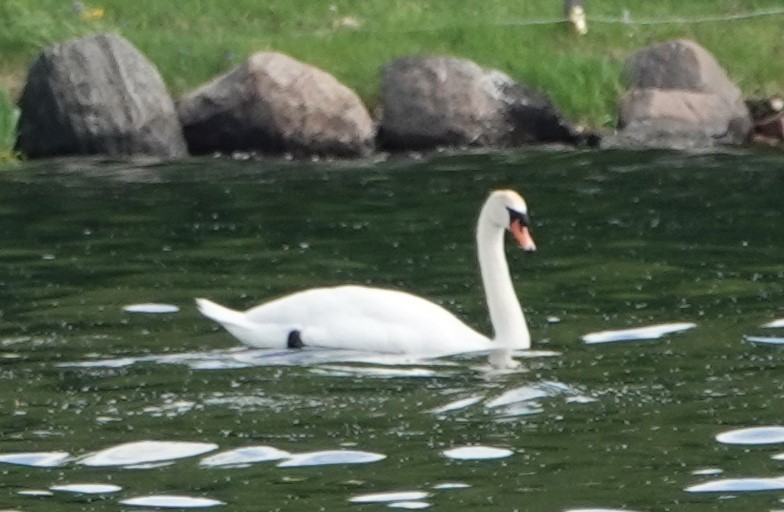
[
  {"x": 100, "y": 95},
  {"x": 97, "y": 95},
  {"x": 274, "y": 104},
  {"x": 433, "y": 101},
  {"x": 679, "y": 96}
]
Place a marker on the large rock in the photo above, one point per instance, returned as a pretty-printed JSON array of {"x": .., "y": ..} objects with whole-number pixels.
[
  {"x": 679, "y": 96},
  {"x": 97, "y": 95},
  {"x": 431, "y": 101},
  {"x": 273, "y": 103}
]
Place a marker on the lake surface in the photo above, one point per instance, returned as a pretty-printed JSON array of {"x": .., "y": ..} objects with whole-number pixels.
[{"x": 105, "y": 408}]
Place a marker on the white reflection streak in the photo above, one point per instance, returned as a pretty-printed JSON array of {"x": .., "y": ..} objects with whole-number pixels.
[{"x": 650, "y": 332}]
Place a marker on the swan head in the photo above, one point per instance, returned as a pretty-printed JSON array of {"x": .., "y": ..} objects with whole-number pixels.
[{"x": 506, "y": 209}]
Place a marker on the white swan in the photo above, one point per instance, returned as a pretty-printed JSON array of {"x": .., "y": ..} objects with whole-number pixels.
[{"x": 389, "y": 321}]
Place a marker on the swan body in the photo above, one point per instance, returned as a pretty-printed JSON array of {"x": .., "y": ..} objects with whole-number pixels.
[
  {"x": 357, "y": 317},
  {"x": 396, "y": 322}
]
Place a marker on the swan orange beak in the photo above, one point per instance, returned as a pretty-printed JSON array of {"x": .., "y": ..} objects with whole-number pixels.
[{"x": 522, "y": 235}]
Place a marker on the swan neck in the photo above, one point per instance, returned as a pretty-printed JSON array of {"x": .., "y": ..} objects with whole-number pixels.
[{"x": 506, "y": 315}]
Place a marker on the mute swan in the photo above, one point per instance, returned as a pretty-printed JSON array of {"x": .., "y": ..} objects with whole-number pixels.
[{"x": 389, "y": 321}]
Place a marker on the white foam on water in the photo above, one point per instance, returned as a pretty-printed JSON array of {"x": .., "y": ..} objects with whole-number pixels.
[
  {"x": 650, "y": 332},
  {"x": 144, "y": 452}
]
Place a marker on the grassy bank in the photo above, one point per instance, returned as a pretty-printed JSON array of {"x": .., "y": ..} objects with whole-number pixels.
[
  {"x": 9, "y": 114},
  {"x": 192, "y": 41}
]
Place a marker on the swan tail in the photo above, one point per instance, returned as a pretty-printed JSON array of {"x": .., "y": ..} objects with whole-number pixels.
[
  {"x": 238, "y": 324},
  {"x": 219, "y": 313},
  {"x": 233, "y": 321}
]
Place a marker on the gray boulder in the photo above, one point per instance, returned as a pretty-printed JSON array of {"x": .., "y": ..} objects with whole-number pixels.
[
  {"x": 432, "y": 101},
  {"x": 274, "y": 104},
  {"x": 97, "y": 95},
  {"x": 679, "y": 96}
]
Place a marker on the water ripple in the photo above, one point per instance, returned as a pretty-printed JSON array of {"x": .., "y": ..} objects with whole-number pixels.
[
  {"x": 365, "y": 371},
  {"x": 650, "y": 332},
  {"x": 599, "y": 510},
  {"x": 754, "y": 435},
  {"x": 525, "y": 400},
  {"x": 458, "y": 404},
  {"x": 36, "y": 459},
  {"x": 35, "y": 493},
  {"x": 477, "y": 452},
  {"x": 163, "y": 501},
  {"x": 739, "y": 485},
  {"x": 241, "y": 357},
  {"x": 244, "y": 456},
  {"x": 707, "y": 471},
  {"x": 87, "y": 488},
  {"x": 766, "y": 340},
  {"x": 384, "y": 497},
  {"x": 143, "y": 452},
  {"x": 410, "y": 505},
  {"x": 775, "y": 324},
  {"x": 151, "y": 308},
  {"x": 521, "y": 394},
  {"x": 328, "y": 457},
  {"x": 451, "y": 485}
]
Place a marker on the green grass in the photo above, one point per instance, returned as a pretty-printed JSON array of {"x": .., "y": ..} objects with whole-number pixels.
[
  {"x": 9, "y": 115},
  {"x": 193, "y": 40}
]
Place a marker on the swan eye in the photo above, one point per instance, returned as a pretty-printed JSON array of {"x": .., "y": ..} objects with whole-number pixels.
[{"x": 519, "y": 216}]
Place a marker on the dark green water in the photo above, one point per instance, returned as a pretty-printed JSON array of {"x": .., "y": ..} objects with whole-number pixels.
[{"x": 625, "y": 240}]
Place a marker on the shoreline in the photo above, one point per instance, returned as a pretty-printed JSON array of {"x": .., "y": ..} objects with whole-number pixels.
[
  {"x": 581, "y": 73},
  {"x": 583, "y": 77}
]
